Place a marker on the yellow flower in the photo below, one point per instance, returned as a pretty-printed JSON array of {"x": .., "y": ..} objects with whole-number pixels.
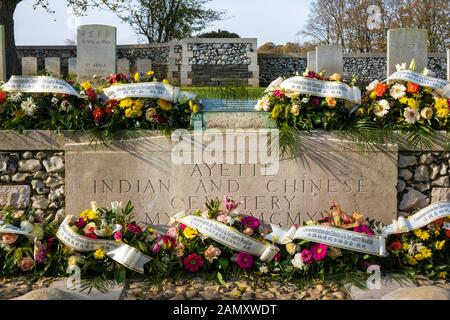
[
  {"x": 404, "y": 100},
  {"x": 150, "y": 113},
  {"x": 422, "y": 235},
  {"x": 165, "y": 105},
  {"x": 335, "y": 77},
  {"x": 441, "y": 106},
  {"x": 373, "y": 95},
  {"x": 411, "y": 261},
  {"x": 291, "y": 248},
  {"x": 190, "y": 233},
  {"x": 150, "y": 73},
  {"x": 129, "y": 113},
  {"x": 72, "y": 261},
  {"x": 138, "y": 104},
  {"x": 442, "y": 275},
  {"x": 137, "y": 77},
  {"x": 165, "y": 81},
  {"x": 126, "y": 103},
  {"x": 88, "y": 214},
  {"x": 439, "y": 245},
  {"x": 419, "y": 257},
  {"x": 405, "y": 246},
  {"x": 86, "y": 85},
  {"x": 331, "y": 102},
  {"x": 413, "y": 103},
  {"x": 193, "y": 106},
  {"x": 426, "y": 253},
  {"x": 427, "y": 113},
  {"x": 99, "y": 254}
]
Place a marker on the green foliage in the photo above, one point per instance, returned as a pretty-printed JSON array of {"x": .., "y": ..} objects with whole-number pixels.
[{"x": 218, "y": 34}]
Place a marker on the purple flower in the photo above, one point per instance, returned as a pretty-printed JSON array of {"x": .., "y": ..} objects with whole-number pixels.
[
  {"x": 250, "y": 222},
  {"x": 315, "y": 101},
  {"x": 244, "y": 260},
  {"x": 156, "y": 248},
  {"x": 230, "y": 205},
  {"x": 41, "y": 255},
  {"x": 307, "y": 256},
  {"x": 364, "y": 229}
]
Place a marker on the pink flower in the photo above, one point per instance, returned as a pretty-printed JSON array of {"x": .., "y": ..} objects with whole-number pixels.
[
  {"x": 134, "y": 228},
  {"x": 277, "y": 257},
  {"x": 182, "y": 227},
  {"x": 364, "y": 229},
  {"x": 312, "y": 75},
  {"x": 250, "y": 222},
  {"x": 212, "y": 253},
  {"x": 193, "y": 262},
  {"x": 91, "y": 235},
  {"x": 172, "y": 232},
  {"x": 319, "y": 251},
  {"x": 307, "y": 256},
  {"x": 118, "y": 235},
  {"x": 168, "y": 242},
  {"x": 315, "y": 101},
  {"x": 222, "y": 218},
  {"x": 278, "y": 93},
  {"x": 244, "y": 260},
  {"x": 230, "y": 205},
  {"x": 41, "y": 255},
  {"x": 156, "y": 248}
]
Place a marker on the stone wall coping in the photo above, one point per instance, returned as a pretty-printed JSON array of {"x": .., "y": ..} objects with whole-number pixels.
[
  {"x": 367, "y": 55},
  {"x": 220, "y": 40},
  {"x": 74, "y": 140}
]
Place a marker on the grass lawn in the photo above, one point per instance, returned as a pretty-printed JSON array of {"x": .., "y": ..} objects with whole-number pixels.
[{"x": 228, "y": 93}]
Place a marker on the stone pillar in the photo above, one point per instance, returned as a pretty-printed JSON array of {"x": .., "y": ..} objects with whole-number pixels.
[
  {"x": 404, "y": 45},
  {"x": 174, "y": 61},
  {"x": 2, "y": 54},
  {"x": 53, "y": 66},
  {"x": 311, "y": 60},
  {"x": 448, "y": 65},
  {"x": 186, "y": 67},
  {"x": 253, "y": 67},
  {"x": 29, "y": 66},
  {"x": 330, "y": 58},
  {"x": 72, "y": 66}
]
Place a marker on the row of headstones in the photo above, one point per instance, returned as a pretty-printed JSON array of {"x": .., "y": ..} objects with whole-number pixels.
[
  {"x": 53, "y": 66},
  {"x": 403, "y": 45}
]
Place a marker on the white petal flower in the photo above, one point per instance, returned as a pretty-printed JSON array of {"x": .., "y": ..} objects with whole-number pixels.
[
  {"x": 411, "y": 115},
  {"x": 263, "y": 269},
  {"x": 397, "y": 91},
  {"x": 401, "y": 67},
  {"x": 29, "y": 107},
  {"x": 297, "y": 262},
  {"x": 116, "y": 207},
  {"x": 382, "y": 108}
]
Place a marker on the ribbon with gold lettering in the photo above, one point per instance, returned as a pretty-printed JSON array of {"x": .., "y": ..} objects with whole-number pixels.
[
  {"x": 320, "y": 88},
  {"x": 442, "y": 87},
  {"x": 38, "y": 84},
  {"x": 227, "y": 236},
  {"x": 156, "y": 90},
  {"x": 120, "y": 252}
]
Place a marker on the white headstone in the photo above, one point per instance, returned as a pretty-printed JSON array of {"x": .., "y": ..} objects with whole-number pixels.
[
  {"x": 29, "y": 66},
  {"x": 123, "y": 66},
  {"x": 143, "y": 65},
  {"x": 329, "y": 58},
  {"x": 2, "y": 54},
  {"x": 448, "y": 65},
  {"x": 96, "y": 51},
  {"x": 404, "y": 45},
  {"x": 53, "y": 66},
  {"x": 311, "y": 60},
  {"x": 72, "y": 66}
]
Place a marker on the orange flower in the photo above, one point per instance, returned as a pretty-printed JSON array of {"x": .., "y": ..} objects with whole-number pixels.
[
  {"x": 447, "y": 233},
  {"x": 381, "y": 89},
  {"x": 439, "y": 222},
  {"x": 413, "y": 88}
]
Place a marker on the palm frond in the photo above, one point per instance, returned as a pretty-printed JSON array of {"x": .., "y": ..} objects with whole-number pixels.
[{"x": 101, "y": 283}]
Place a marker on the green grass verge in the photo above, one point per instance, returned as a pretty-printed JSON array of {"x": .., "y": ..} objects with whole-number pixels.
[{"x": 228, "y": 93}]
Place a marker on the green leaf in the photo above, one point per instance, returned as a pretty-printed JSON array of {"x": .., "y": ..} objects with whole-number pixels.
[{"x": 220, "y": 279}]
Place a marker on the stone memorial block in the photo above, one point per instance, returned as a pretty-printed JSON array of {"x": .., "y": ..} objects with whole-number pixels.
[
  {"x": 72, "y": 66},
  {"x": 53, "y": 66},
  {"x": 29, "y": 66},
  {"x": 311, "y": 60},
  {"x": 329, "y": 58},
  {"x": 2, "y": 54},
  {"x": 123, "y": 66},
  {"x": 448, "y": 65},
  {"x": 96, "y": 51},
  {"x": 15, "y": 196},
  {"x": 404, "y": 45},
  {"x": 148, "y": 171},
  {"x": 143, "y": 65}
]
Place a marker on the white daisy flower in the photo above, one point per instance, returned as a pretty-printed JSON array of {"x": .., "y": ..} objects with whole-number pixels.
[
  {"x": 16, "y": 97},
  {"x": 411, "y": 115},
  {"x": 263, "y": 269},
  {"x": 398, "y": 91},
  {"x": 382, "y": 108},
  {"x": 29, "y": 107}
]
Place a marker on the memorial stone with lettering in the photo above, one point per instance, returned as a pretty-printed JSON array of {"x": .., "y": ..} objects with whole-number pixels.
[
  {"x": 123, "y": 66},
  {"x": 143, "y": 65},
  {"x": 72, "y": 66},
  {"x": 53, "y": 66},
  {"x": 29, "y": 66},
  {"x": 2, "y": 54},
  {"x": 404, "y": 45},
  {"x": 144, "y": 171},
  {"x": 96, "y": 51},
  {"x": 311, "y": 60},
  {"x": 330, "y": 58}
]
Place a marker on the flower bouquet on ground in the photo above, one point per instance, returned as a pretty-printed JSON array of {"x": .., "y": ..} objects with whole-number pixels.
[
  {"x": 402, "y": 104},
  {"x": 27, "y": 243},
  {"x": 423, "y": 251},
  {"x": 103, "y": 243},
  {"x": 132, "y": 110}
]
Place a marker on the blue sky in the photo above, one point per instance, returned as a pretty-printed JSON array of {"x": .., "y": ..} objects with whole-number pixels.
[{"x": 267, "y": 20}]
